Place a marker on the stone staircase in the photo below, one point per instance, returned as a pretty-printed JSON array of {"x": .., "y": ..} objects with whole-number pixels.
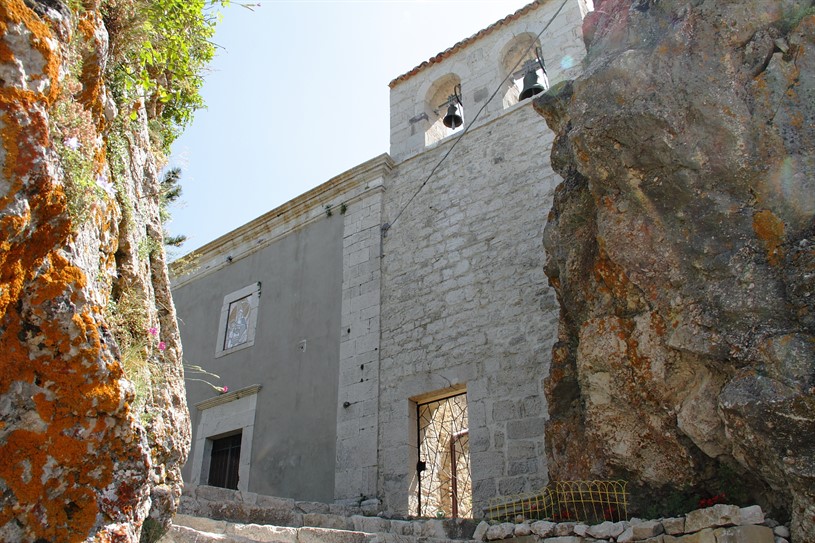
[
  {"x": 188, "y": 529},
  {"x": 210, "y": 514}
]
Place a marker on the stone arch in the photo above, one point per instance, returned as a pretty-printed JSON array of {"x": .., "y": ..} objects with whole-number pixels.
[
  {"x": 513, "y": 56},
  {"x": 435, "y": 107}
]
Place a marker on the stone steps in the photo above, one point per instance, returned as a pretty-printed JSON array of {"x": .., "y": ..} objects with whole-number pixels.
[
  {"x": 190, "y": 529},
  {"x": 246, "y": 508},
  {"x": 247, "y": 517}
]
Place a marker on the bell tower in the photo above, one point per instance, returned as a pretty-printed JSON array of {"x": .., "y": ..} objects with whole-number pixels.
[{"x": 488, "y": 70}]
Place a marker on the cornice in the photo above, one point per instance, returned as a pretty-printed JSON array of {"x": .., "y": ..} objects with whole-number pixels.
[
  {"x": 282, "y": 220},
  {"x": 228, "y": 397}
]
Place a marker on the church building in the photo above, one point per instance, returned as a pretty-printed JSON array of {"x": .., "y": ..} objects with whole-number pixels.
[{"x": 386, "y": 335}]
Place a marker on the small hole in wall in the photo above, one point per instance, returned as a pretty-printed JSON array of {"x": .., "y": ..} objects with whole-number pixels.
[
  {"x": 349, "y": 330},
  {"x": 362, "y": 366}
]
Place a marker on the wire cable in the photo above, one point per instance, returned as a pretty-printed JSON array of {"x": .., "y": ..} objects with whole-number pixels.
[{"x": 387, "y": 226}]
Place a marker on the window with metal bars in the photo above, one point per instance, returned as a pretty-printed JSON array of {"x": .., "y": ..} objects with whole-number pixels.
[
  {"x": 224, "y": 462},
  {"x": 443, "y": 469}
]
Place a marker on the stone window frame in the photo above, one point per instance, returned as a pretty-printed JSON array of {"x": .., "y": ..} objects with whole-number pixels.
[
  {"x": 222, "y": 416},
  {"x": 253, "y": 292}
]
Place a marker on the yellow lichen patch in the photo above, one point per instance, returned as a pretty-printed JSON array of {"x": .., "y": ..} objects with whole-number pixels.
[
  {"x": 56, "y": 476},
  {"x": 65, "y": 463},
  {"x": 10, "y": 137},
  {"x": 770, "y": 230},
  {"x": 60, "y": 277},
  {"x": 15, "y": 11}
]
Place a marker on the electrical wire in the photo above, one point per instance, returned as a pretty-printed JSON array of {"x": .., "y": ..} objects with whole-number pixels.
[{"x": 387, "y": 226}]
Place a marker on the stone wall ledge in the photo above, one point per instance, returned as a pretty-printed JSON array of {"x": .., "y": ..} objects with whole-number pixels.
[
  {"x": 190, "y": 529},
  {"x": 215, "y": 504},
  {"x": 720, "y": 523},
  {"x": 243, "y": 515}
]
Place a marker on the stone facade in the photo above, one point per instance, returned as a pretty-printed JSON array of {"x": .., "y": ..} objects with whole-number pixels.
[
  {"x": 299, "y": 261},
  {"x": 442, "y": 283}
]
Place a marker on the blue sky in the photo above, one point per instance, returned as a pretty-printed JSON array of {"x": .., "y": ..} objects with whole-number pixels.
[{"x": 297, "y": 94}]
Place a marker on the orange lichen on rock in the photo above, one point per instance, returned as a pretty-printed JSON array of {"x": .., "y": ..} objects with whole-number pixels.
[
  {"x": 16, "y": 12},
  {"x": 91, "y": 77},
  {"x": 63, "y": 466},
  {"x": 770, "y": 230}
]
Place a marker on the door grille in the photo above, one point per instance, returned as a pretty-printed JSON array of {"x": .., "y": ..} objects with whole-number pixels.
[{"x": 443, "y": 469}]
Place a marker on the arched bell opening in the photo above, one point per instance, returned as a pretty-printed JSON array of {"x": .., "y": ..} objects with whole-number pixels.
[
  {"x": 522, "y": 61},
  {"x": 444, "y": 108}
]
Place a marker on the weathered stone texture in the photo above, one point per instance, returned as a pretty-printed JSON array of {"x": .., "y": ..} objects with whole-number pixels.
[
  {"x": 468, "y": 304},
  {"x": 464, "y": 302},
  {"x": 77, "y": 462},
  {"x": 681, "y": 248},
  {"x": 357, "y": 419}
]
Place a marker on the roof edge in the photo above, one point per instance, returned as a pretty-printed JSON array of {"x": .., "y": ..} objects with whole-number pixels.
[
  {"x": 377, "y": 166},
  {"x": 465, "y": 42}
]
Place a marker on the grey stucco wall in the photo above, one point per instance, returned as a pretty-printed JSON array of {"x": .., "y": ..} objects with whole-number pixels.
[{"x": 295, "y": 424}]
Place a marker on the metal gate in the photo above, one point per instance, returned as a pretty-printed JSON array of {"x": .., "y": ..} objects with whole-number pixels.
[{"x": 443, "y": 469}]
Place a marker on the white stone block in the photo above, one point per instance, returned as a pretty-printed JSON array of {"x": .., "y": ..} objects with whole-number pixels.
[
  {"x": 500, "y": 531},
  {"x": 751, "y": 515},
  {"x": 480, "y": 533},
  {"x": 627, "y": 536},
  {"x": 711, "y": 517},
  {"x": 200, "y": 524},
  {"x": 265, "y": 534},
  {"x": 606, "y": 530},
  {"x": 323, "y": 535},
  {"x": 522, "y": 529},
  {"x": 543, "y": 528},
  {"x": 370, "y": 524},
  {"x": 674, "y": 526},
  {"x": 744, "y": 534}
]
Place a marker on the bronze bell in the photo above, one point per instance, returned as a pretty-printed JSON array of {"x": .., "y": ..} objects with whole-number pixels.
[
  {"x": 531, "y": 86},
  {"x": 452, "y": 119}
]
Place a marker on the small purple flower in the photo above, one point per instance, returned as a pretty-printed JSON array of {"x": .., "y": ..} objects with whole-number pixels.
[
  {"x": 71, "y": 143},
  {"x": 153, "y": 331},
  {"x": 106, "y": 185},
  {"x": 161, "y": 345}
]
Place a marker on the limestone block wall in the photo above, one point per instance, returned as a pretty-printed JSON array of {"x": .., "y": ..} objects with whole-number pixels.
[
  {"x": 465, "y": 303},
  {"x": 357, "y": 414}
]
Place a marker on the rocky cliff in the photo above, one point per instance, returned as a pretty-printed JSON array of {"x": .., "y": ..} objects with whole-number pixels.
[
  {"x": 682, "y": 249},
  {"x": 93, "y": 421}
]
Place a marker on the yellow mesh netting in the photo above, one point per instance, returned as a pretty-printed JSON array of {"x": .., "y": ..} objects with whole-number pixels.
[{"x": 577, "y": 501}]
